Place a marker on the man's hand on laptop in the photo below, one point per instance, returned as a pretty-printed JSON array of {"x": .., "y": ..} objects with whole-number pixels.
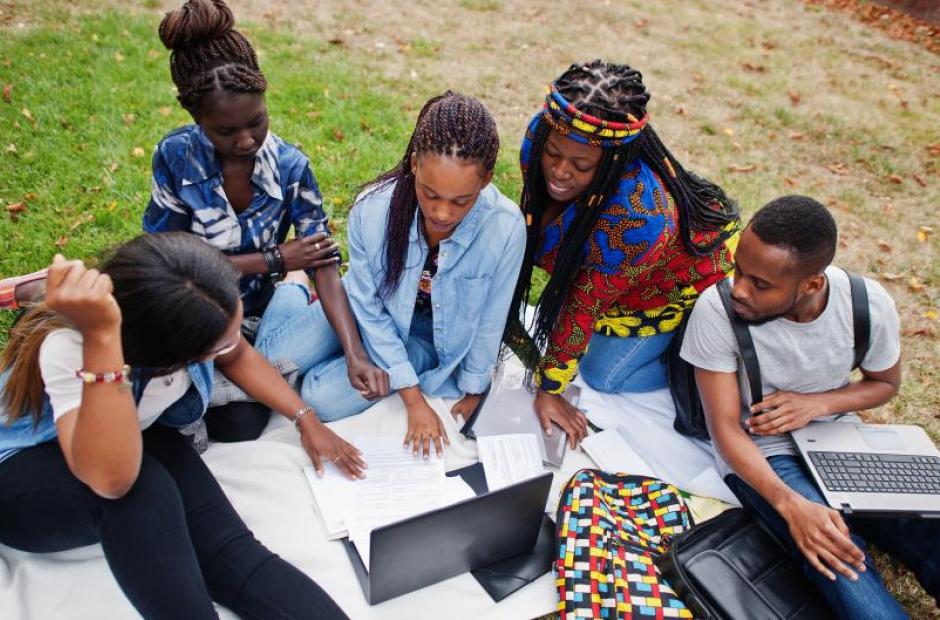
[
  {"x": 553, "y": 408},
  {"x": 782, "y": 412},
  {"x": 822, "y": 536}
]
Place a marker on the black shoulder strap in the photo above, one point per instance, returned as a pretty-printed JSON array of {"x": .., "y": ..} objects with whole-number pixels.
[
  {"x": 861, "y": 317},
  {"x": 745, "y": 344}
]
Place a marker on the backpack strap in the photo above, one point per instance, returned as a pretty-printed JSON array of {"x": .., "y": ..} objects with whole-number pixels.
[
  {"x": 861, "y": 317},
  {"x": 745, "y": 344}
]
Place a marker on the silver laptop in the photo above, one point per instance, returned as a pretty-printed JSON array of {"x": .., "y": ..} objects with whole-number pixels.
[{"x": 886, "y": 469}]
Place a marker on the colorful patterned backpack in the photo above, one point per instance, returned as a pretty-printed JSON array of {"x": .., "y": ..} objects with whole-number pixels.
[{"x": 610, "y": 529}]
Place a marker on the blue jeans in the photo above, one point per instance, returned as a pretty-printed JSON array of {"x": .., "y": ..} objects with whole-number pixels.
[
  {"x": 292, "y": 328},
  {"x": 914, "y": 542},
  {"x": 327, "y": 386},
  {"x": 613, "y": 364}
]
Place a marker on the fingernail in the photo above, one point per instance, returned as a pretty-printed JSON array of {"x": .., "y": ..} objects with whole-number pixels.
[{"x": 548, "y": 431}]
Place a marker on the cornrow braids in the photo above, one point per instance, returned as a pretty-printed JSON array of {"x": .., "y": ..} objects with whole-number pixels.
[
  {"x": 207, "y": 54},
  {"x": 451, "y": 125},
  {"x": 616, "y": 93}
]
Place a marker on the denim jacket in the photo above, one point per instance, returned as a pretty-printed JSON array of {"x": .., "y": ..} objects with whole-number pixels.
[
  {"x": 477, "y": 270},
  {"x": 23, "y": 434}
]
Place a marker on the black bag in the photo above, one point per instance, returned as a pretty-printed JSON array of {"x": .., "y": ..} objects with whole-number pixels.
[
  {"x": 690, "y": 415},
  {"x": 731, "y": 567}
]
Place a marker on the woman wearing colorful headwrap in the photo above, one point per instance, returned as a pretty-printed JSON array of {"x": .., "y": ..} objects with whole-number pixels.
[{"x": 628, "y": 236}]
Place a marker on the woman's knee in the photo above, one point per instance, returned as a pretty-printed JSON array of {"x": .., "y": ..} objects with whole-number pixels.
[
  {"x": 330, "y": 394},
  {"x": 237, "y": 421}
]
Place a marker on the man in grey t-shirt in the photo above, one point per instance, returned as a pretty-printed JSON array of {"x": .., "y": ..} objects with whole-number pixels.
[{"x": 799, "y": 312}]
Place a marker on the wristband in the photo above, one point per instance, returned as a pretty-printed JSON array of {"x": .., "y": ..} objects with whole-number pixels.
[
  {"x": 301, "y": 413},
  {"x": 274, "y": 261},
  {"x": 112, "y": 376}
]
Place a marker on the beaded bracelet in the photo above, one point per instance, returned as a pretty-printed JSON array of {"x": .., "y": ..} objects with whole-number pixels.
[
  {"x": 300, "y": 414},
  {"x": 113, "y": 376}
]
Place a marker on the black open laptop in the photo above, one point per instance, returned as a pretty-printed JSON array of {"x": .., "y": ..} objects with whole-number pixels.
[{"x": 437, "y": 545}]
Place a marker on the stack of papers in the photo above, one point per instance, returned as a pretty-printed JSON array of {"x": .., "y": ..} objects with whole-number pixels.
[{"x": 397, "y": 486}]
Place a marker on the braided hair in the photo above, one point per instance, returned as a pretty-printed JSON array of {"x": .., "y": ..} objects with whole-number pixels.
[
  {"x": 208, "y": 54},
  {"x": 611, "y": 92},
  {"x": 452, "y": 125}
]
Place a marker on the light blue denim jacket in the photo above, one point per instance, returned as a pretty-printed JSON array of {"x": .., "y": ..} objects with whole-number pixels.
[
  {"x": 22, "y": 433},
  {"x": 477, "y": 270}
]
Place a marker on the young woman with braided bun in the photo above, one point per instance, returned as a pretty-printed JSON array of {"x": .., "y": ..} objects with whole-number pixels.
[
  {"x": 94, "y": 383},
  {"x": 628, "y": 236},
  {"x": 434, "y": 252},
  {"x": 228, "y": 179}
]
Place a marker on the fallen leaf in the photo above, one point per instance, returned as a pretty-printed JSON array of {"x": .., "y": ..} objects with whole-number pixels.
[
  {"x": 884, "y": 246},
  {"x": 313, "y": 114},
  {"x": 920, "y": 180},
  {"x": 29, "y": 115},
  {"x": 931, "y": 315},
  {"x": 927, "y": 332},
  {"x": 7, "y": 93},
  {"x": 748, "y": 66},
  {"x": 640, "y": 24},
  {"x": 797, "y": 135},
  {"x": 728, "y": 131},
  {"x": 914, "y": 285},
  {"x": 895, "y": 179},
  {"x": 138, "y": 152},
  {"x": 839, "y": 168},
  {"x": 744, "y": 168},
  {"x": 923, "y": 232},
  {"x": 29, "y": 196},
  {"x": 16, "y": 207},
  {"x": 114, "y": 166},
  {"x": 795, "y": 98},
  {"x": 697, "y": 77},
  {"x": 790, "y": 182},
  {"x": 934, "y": 150},
  {"x": 336, "y": 41},
  {"x": 680, "y": 110},
  {"x": 891, "y": 277},
  {"x": 338, "y": 134},
  {"x": 129, "y": 118},
  {"x": 11, "y": 148},
  {"x": 153, "y": 54},
  {"x": 118, "y": 56},
  {"x": 164, "y": 110},
  {"x": 84, "y": 218}
]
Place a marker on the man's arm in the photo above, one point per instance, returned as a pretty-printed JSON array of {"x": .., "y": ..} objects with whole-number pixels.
[
  {"x": 787, "y": 411},
  {"x": 819, "y": 532}
]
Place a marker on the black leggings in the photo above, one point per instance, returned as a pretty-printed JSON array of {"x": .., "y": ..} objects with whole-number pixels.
[
  {"x": 174, "y": 542},
  {"x": 237, "y": 421}
]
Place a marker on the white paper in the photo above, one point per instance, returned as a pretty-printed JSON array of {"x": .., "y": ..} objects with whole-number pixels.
[
  {"x": 332, "y": 496},
  {"x": 398, "y": 485},
  {"x": 613, "y": 453},
  {"x": 508, "y": 459}
]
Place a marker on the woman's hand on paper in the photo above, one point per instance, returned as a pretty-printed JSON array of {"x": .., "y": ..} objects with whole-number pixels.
[
  {"x": 464, "y": 407},
  {"x": 322, "y": 444},
  {"x": 553, "y": 408},
  {"x": 424, "y": 427}
]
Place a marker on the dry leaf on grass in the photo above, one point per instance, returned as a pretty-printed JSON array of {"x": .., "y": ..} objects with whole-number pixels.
[
  {"x": 914, "y": 285},
  {"x": 8, "y": 93},
  {"x": 338, "y": 134},
  {"x": 138, "y": 152},
  {"x": 923, "y": 233},
  {"x": 84, "y": 218},
  {"x": 891, "y": 277},
  {"x": 742, "y": 168},
  {"x": 895, "y": 179},
  {"x": 61, "y": 241},
  {"x": 790, "y": 182},
  {"x": 931, "y": 315},
  {"x": 749, "y": 66},
  {"x": 797, "y": 135},
  {"x": 884, "y": 246},
  {"x": 795, "y": 98},
  {"x": 15, "y": 209},
  {"x": 920, "y": 180},
  {"x": 164, "y": 110},
  {"x": 838, "y": 168}
]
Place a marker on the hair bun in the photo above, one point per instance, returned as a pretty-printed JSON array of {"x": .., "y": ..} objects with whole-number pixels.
[{"x": 196, "y": 22}]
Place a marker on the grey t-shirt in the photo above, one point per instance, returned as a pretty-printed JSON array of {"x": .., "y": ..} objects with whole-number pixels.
[{"x": 807, "y": 358}]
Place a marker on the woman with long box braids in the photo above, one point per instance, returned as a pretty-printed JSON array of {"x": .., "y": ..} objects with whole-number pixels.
[
  {"x": 629, "y": 237},
  {"x": 434, "y": 250}
]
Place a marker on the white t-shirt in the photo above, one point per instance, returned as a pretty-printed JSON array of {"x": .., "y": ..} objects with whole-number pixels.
[
  {"x": 807, "y": 358},
  {"x": 61, "y": 354}
]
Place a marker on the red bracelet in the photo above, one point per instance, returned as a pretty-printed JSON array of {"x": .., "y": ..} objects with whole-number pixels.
[{"x": 113, "y": 376}]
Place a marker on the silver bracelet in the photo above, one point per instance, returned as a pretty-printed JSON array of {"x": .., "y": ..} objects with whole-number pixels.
[{"x": 301, "y": 413}]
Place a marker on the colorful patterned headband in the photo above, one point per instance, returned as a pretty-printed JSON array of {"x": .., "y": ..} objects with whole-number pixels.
[{"x": 566, "y": 119}]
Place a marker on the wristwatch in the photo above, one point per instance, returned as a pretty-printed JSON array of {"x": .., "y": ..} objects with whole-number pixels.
[{"x": 274, "y": 261}]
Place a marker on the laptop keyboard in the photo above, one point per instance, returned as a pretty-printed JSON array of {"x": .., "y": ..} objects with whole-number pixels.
[{"x": 878, "y": 473}]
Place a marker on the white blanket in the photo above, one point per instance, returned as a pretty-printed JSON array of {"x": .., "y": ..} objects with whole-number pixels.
[{"x": 264, "y": 481}]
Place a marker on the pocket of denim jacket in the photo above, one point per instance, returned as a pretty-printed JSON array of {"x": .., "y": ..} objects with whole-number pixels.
[{"x": 472, "y": 294}]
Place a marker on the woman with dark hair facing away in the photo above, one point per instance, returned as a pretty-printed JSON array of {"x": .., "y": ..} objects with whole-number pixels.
[
  {"x": 93, "y": 382},
  {"x": 231, "y": 181},
  {"x": 434, "y": 250},
  {"x": 628, "y": 236}
]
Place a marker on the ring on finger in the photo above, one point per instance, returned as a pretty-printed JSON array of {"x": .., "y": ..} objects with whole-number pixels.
[
  {"x": 316, "y": 246},
  {"x": 336, "y": 459}
]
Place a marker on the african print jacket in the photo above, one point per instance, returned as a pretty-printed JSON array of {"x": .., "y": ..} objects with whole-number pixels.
[{"x": 637, "y": 278}]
